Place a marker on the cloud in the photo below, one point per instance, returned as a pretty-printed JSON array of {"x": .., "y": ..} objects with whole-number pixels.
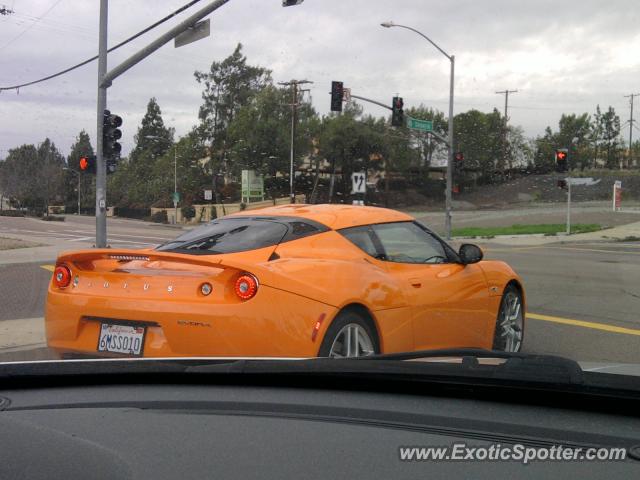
[{"x": 563, "y": 57}]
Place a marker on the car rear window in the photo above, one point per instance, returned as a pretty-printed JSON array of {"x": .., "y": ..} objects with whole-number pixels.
[{"x": 228, "y": 236}]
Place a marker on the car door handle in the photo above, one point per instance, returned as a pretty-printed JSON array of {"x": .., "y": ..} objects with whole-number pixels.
[{"x": 415, "y": 282}]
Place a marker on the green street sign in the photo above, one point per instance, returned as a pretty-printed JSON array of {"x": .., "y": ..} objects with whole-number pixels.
[
  {"x": 423, "y": 125},
  {"x": 176, "y": 197}
]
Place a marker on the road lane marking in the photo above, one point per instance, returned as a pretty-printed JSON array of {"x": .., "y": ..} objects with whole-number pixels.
[
  {"x": 595, "y": 250},
  {"x": 51, "y": 268},
  {"x": 584, "y": 324}
]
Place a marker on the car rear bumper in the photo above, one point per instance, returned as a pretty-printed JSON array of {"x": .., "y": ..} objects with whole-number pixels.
[{"x": 274, "y": 323}]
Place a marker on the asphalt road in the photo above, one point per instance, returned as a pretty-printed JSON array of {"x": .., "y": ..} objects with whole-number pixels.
[
  {"x": 79, "y": 232},
  {"x": 583, "y": 299},
  {"x": 591, "y": 288}
]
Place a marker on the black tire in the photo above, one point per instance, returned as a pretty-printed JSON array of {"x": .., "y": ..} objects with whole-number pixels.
[
  {"x": 342, "y": 320},
  {"x": 499, "y": 343}
]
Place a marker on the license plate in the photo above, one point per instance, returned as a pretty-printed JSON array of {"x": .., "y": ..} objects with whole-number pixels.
[{"x": 121, "y": 339}]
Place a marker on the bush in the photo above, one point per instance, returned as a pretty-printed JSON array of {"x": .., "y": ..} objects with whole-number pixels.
[
  {"x": 52, "y": 218},
  {"x": 137, "y": 213},
  {"x": 159, "y": 217},
  {"x": 11, "y": 213},
  {"x": 188, "y": 212}
]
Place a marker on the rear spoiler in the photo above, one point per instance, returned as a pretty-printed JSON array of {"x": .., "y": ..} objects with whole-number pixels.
[{"x": 148, "y": 255}]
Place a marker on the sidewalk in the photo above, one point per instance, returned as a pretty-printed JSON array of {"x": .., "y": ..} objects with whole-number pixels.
[{"x": 22, "y": 334}]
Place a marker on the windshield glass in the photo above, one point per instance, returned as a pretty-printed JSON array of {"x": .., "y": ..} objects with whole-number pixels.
[
  {"x": 319, "y": 178},
  {"x": 228, "y": 236}
]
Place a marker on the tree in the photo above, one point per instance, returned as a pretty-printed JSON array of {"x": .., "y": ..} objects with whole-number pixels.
[
  {"x": 480, "y": 136},
  {"x": 573, "y": 134},
  {"x": 348, "y": 143},
  {"x": 261, "y": 133},
  {"x": 192, "y": 176},
  {"x": 81, "y": 148},
  {"x": 610, "y": 138},
  {"x": 134, "y": 183},
  {"x": 228, "y": 86},
  {"x": 49, "y": 173},
  {"x": 153, "y": 139},
  {"x": 545, "y": 146},
  {"x": 32, "y": 175},
  {"x": 428, "y": 146}
]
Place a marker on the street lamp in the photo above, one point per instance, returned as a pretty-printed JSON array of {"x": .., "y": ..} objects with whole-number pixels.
[
  {"x": 450, "y": 142},
  {"x": 175, "y": 173}
]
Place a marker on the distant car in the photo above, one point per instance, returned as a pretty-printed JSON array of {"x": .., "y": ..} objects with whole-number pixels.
[{"x": 285, "y": 281}]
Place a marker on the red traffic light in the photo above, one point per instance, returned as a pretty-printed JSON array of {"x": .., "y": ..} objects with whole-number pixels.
[
  {"x": 459, "y": 157},
  {"x": 561, "y": 155},
  {"x": 87, "y": 164}
]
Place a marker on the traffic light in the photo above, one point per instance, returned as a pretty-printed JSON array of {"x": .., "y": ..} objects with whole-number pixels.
[
  {"x": 561, "y": 159},
  {"x": 112, "y": 164},
  {"x": 459, "y": 159},
  {"x": 397, "y": 112},
  {"x": 337, "y": 92},
  {"x": 87, "y": 164},
  {"x": 110, "y": 135},
  {"x": 291, "y": 3}
]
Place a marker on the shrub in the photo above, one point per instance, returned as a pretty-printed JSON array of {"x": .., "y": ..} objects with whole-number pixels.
[
  {"x": 11, "y": 213},
  {"x": 52, "y": 218},
  {"x": 188, "y": 212},
  {"x": 159, "y": 217}
]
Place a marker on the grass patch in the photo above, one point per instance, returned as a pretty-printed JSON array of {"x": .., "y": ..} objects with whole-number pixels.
[
  {"x": 546, "y": 229},
  {"x": 13, "y": 243}
]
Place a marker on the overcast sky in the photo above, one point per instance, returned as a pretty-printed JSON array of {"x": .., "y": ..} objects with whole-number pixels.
[{"x": 561, "y": 56}]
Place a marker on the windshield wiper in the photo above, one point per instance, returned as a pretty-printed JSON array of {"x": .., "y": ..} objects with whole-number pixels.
[{"x": 517, "y": 366}]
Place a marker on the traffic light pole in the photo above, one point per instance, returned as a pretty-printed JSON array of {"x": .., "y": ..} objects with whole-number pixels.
[
  {"x": 101, "y": 167},
  {"x": 569, "y": 206},
  {"x": 104, "y": 81}
]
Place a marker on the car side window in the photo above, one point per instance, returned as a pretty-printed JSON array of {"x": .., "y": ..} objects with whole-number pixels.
[
  {"x": 362, "y": 238},
  {"x": 406, "y": 242}
]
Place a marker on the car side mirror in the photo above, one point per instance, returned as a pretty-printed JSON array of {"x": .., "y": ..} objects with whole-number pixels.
[{"x": 470, "y": 253}]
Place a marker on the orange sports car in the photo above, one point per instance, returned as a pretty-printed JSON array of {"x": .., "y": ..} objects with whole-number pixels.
[{"x": 287, "y": 281}]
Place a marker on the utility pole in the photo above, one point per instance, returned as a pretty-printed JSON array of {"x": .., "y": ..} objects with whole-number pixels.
[
  {"x": 506, "y": 119},
  {"x": 101, "y": 168},
  {"x": 630, "y": 97},
  {"x": 506, "y": 102},
  {"x": 295, "y": 90}
]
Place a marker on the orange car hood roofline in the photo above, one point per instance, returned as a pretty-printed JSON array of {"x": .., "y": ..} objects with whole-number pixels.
[{"x": 332, "y": 215}]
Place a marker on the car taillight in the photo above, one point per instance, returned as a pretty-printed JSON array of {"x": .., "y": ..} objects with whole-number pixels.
[
  {"x": 62, "y": 276},
  {"x": 246, "y": 286}
]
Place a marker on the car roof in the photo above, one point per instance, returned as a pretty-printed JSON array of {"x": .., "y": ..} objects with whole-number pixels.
[{"x": 332, "y": 215}]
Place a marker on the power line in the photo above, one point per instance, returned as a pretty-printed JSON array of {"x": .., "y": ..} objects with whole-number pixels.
[
  {"x": 55, "y": 4},
  {"x": 89, "y": 60}
]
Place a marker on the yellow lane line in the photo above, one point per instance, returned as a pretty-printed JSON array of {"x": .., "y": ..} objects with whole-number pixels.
[
  {"x": 582, "y": 323},
  {"x": 51, "y": 268}
]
